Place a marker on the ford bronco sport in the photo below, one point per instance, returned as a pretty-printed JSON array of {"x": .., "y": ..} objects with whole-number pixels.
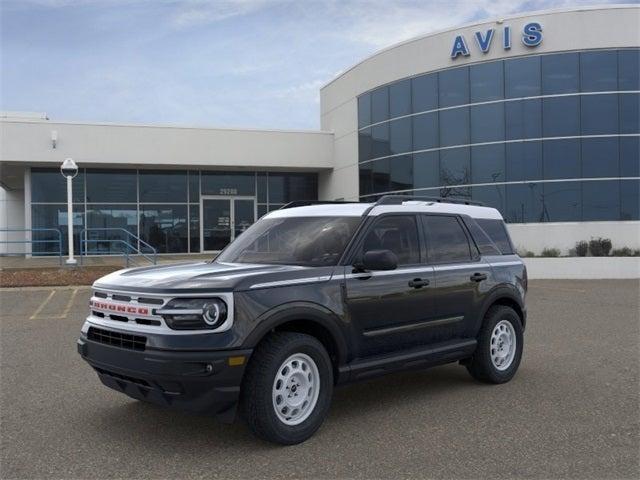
[{"x": 310, "y": 297}]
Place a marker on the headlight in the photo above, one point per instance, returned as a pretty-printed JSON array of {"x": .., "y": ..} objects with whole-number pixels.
[{"x": 194, "y": 313}]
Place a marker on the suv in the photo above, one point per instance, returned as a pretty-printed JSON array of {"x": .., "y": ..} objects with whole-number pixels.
[{"x": 310, "y": 297}]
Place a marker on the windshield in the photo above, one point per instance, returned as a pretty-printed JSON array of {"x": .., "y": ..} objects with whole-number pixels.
[{"x": 306, "y": 241}]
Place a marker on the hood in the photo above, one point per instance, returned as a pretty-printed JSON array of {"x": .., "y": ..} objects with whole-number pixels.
[{"x": 195, "y": 277}]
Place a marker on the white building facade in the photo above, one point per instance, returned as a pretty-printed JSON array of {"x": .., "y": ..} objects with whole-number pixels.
[{"x": 536, "y": 115}]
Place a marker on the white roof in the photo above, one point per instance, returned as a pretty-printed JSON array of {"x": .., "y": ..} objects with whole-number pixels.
[{"x": 357, "y": 209}]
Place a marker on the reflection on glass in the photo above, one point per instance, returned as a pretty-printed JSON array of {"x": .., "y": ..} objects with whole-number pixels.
[
  {"x": 455, "y": 168},
  {"x": 424, "y": 92},
  {"x": 598, "y": 71},
  {"x": 601, "y": 200},
  {"x": 111, "y": 220},
  {"x": 112, "y": 186},
  {"x": 165, "y": 227},
  {"x": 600, "y": 157},
  {"x": 599, "y": 114},
  {"x": 49, "y": 186},
  {"x": 487, "y": 164},
  {"x": 560, "y": 73},
  {"x": 54, "y": 216},
  {"x": 400, "y": 135},
  {"x": 400, "y": 98},
  {"x": 216, "y": 224},
  {"x": 163, "y": 186},
  {"x": 561, "y": 202},
  {"x": 380, "y": 105},
  {"x": 243, "y": 216}
]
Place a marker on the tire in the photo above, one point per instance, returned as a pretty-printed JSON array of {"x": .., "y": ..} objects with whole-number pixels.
[
  {"x": 273, "y": 361},
  {"x": 495, "y": 362}
]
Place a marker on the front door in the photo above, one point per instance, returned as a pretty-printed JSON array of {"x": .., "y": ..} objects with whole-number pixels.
[{"x": 222, "y": 219}]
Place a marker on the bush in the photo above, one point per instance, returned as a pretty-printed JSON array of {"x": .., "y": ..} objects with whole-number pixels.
[
  {"x": 550, "y": 252},
  {"x": 582, "y": 248},
  {"x": 600, "y": 247},
  {"x": 524, "y": 253},
  {"x": 625, "y": 252}
]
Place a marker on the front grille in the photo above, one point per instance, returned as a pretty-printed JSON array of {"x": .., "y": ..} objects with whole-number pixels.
[{"x": 117, "y": 339}]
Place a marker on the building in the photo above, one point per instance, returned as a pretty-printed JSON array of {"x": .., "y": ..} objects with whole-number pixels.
[{"x": 537, "y": 115}]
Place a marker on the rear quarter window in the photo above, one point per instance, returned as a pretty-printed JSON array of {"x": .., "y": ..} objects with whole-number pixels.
[{"x": 497, "y": 232}]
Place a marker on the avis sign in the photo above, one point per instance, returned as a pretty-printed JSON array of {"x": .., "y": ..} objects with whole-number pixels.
[{"x": 531, "y": 37}]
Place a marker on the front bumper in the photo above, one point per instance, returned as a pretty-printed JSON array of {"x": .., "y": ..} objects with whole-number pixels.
[{"x": 201, "y": 381}]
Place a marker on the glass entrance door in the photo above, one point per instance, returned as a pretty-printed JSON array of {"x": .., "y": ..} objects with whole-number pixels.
[{"x": 222, "y": 219}]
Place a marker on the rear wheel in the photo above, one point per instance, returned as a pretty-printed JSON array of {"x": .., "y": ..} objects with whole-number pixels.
[
  {"x": 499, "y": 350},
  {"x": 287, "y": 388}
]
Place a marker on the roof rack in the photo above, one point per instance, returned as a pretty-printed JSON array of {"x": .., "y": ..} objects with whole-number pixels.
[
  {"x": 399, "y": 199},
  {"x": 305, "y": 203}
]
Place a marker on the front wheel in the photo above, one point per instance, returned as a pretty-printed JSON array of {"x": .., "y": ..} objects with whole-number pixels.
[
  {"x": 499, "y": 350},
  {"x": 287, "y": 388}
]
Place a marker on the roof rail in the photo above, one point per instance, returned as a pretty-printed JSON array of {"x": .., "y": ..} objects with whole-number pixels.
[
  {"x": 305, "y": 203},
  {"x": 399, "y": 199}
]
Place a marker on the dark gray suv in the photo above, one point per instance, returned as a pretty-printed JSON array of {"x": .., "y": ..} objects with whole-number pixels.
[{"x": 310, "y": 297}]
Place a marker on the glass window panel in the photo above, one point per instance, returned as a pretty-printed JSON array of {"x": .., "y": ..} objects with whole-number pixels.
[
  {"x": 491, "y": 196},
  {"x": 194, "y": 186},
  {"x": 275, "y": 206},
  {"x": 397, "y": 233},
  {"x": 453, "y": 87},
  {"x": 400, "y": 98},
  {"x": 629, "y": 70},
  {"x": 523, "y": 161},
  {"x": 600, "y": 157},
  {"x": 454, "y": 127},
  {"x": 113, "y": 219},
  {"x": 163, "y": 186},
  {"x": 426, "y": 170},
  {"x": 561, "y": 116},
  {"x": 630, "y": 199},
  {"x": 366, "y": 178},
  {"x": 630, "y": 156},
  {"x": 194, "y": 228},
  {"x": 400, "y": 135},
  {"x": 164, "y": 227},
  {"x": 401, "y": 174},
  {"x": 365, "y": 144},
  {"x": 53, "y": 216},
  {"x": 112, "y": 186},
  {"x": 487, "y": 81},
  {"x": 599, "y": 114},
  {"x": 560, "y": 73},
  {"x": 562, "y": 202},
  {"x": 381, "y": 175},
  {"x": 524, "y": 203},
  {"x": 601, "y": 200},
  {"x": 462, "y": 193},
  {"x": 380, "y": 105},
  {"x": 424, "y": 92},
  {"x": 289, "y": 187},
  {"x": 455, "y": 166},
  {"x": 228, "y": 183},
  {"x": 599, "y": 71},
  {"x": 629, "y": 113},
  {"x": 446, "y": 239},
  {"x": 49, "y": 186},
  {"x": 380, "y": 141},
  {"x": 522, "y": 77},
  {"x": 425, "y": 131},
  {"x": 364, "y": 110},
  {"x": 523, "y": 119},
  {"x": 487, "y": 164},
  {"x": 561, "y": 159},
  {"x": 262, "y": 210},
  {"x": 487, "y": 123},
  {"x": 261, "y": 184}
]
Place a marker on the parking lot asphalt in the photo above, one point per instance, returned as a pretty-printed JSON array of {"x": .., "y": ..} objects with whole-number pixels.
[{"x": 572, "y": 411}]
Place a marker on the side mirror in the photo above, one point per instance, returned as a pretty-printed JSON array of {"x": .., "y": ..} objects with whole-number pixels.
[{"x": 379, "y": 260}]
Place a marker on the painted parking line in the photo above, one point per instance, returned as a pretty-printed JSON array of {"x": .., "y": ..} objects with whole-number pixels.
[{"x": 42, "y": 305}]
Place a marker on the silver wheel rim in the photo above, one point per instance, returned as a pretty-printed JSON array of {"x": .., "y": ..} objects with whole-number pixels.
[
  {"x": 295, "y": 389},
  {"x": 503, "y": 345}
]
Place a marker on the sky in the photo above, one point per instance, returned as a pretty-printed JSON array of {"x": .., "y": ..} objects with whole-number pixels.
[{"x": 225, "y": 63}]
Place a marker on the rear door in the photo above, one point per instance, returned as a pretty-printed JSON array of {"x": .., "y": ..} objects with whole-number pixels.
[
  {"x": 388, "y": 309},
  {"x": 461, "y": 277}
]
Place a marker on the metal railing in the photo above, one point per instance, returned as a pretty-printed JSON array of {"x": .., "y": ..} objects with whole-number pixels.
[
  {"x": 131, "y": 244},
  {"x": 31, "y": 241}
]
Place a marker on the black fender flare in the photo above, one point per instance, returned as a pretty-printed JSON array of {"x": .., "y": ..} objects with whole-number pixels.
[
  {"x": 498, "y": 293},
  {"x": 307, "y": 311}
]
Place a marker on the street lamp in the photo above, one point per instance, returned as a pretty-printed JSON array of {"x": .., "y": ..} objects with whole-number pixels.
[{"x": 69, "y": 169}]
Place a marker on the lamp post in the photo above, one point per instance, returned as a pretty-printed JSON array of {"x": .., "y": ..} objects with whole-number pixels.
[{"x": 69, "y": 169}]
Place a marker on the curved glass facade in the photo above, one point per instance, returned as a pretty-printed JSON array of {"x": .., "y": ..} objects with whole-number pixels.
[{"x": 543, "y": 138}]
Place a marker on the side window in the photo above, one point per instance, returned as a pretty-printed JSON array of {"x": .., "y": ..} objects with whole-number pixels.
[
  {"x": 498, "y": 233},
  {"x": 446, "y": 239},
  {"x": 484, "y": 243},
  {"x": 397, "y": 233}
]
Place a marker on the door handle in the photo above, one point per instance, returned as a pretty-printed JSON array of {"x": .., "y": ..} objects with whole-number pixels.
[
  {"x": 418, "y": 283},
  {"x": 478, "y": 277}
]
